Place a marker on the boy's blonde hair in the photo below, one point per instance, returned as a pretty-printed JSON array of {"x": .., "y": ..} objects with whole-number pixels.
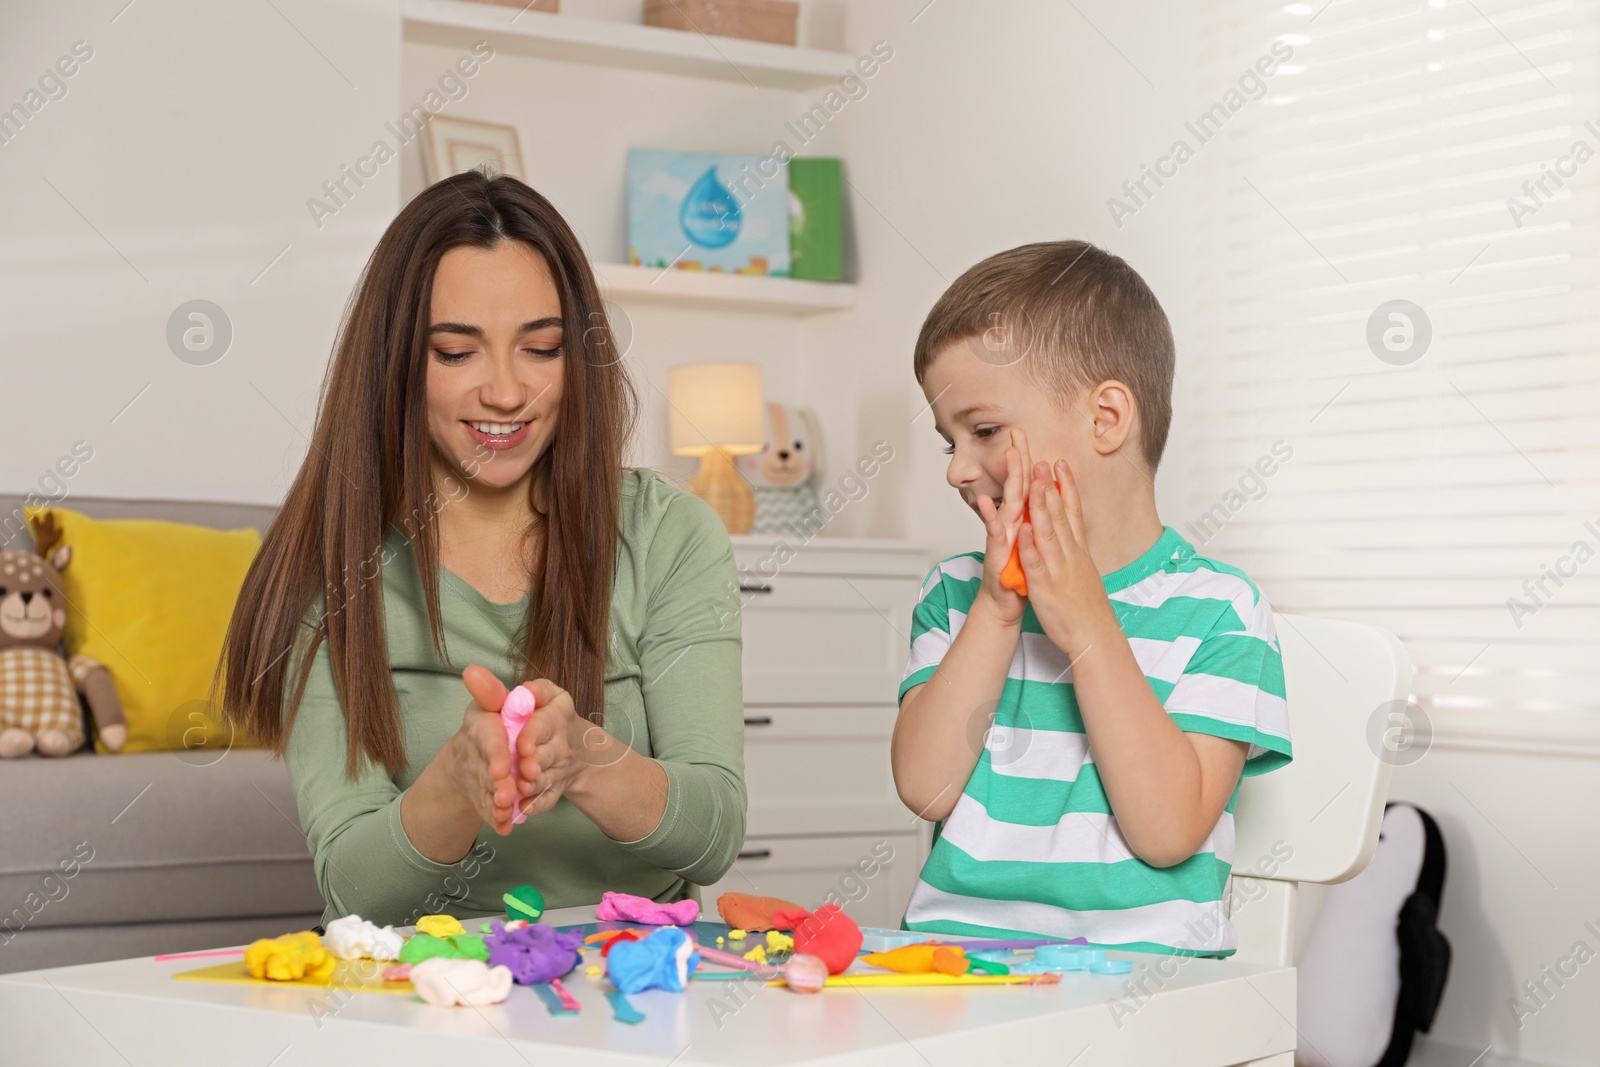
[{"x": 1071, "y": 316}]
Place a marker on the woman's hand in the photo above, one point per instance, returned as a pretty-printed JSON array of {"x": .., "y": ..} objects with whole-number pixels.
[
  {"x": 481, "y": 764},
  {"x": 555, "y": 748},
  {"x": 1001, "y": 526}
]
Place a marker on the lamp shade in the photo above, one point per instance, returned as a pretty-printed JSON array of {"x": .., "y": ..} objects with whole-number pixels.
[{"x": 715, "y": 407}]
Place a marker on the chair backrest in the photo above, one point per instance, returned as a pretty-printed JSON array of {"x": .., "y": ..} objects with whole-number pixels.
[{"x": 1317, "y": 819}]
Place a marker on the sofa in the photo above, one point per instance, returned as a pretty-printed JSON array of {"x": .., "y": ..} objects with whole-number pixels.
[{"x": 105, "y": 857}]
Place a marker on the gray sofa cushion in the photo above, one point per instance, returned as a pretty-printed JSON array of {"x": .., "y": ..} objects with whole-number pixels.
[
  {"x": 150, "y": 837},
  {"x": 218, "y": 516}
]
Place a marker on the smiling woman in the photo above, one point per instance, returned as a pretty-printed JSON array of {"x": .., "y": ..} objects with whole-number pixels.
[{"x": 458, "y": 376}]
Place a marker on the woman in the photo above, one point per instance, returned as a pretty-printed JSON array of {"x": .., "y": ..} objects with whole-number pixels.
[{"x": 462, "y": 521}]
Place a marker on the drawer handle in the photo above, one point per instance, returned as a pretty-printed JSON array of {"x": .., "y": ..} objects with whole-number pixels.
[
  {"x": 758, "y": 720},
  {"x": 756, "y": 854},
  {"x": 754, "y": 587}
]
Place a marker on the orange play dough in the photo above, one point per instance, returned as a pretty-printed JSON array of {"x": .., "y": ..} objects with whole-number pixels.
[
  {"x": 921, "y": 959},
  {"x": 1012, "y": 577},
  {"x": 745, "y": 912}
]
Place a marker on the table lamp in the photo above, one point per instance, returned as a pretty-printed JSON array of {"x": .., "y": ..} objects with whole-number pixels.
[{"x": 714, "y": 412}]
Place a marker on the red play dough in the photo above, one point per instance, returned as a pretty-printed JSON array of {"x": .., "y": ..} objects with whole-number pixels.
[{"x": 828, "y": 934}]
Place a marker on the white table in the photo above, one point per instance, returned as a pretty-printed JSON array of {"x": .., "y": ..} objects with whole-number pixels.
[{"x": 1208, "y": 1013}]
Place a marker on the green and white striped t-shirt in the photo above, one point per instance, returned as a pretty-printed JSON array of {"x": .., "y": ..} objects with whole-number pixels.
[{"x": 1032, "y": 848}]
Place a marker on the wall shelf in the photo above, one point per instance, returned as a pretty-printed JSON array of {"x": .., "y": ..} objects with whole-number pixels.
[
  {"x": 730, "y": 292},
  {"x": 459, "y": 23}
]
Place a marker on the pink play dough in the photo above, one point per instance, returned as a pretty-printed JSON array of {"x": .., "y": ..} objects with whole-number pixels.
[
  {"x": 515, "y": 712},
  {"x": 628, "y": 908}
]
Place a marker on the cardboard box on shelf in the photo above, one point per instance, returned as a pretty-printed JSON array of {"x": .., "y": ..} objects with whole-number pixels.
[{"x": 772, "y": 21}]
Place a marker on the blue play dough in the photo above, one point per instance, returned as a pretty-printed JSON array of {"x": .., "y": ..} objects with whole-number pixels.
[{"x": 664, "y": 960}]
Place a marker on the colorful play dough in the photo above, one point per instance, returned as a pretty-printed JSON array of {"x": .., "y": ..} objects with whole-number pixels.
[
  {"x": 289, "y": 958},
  {"x": 626, "y": 907},
  {"x": 751, "y": 913},
  {"x": 523, "y": 902},
  {"x": 354, "y": 938},
  {"x": 779, "y": 942},
  {"x": 514, "y": 713},
  {"x": 664, "y": 960},
  {"x": 828, "y": 933},
  {"x": 446, "y": 983},
  {"x": 805, "y": 974},
  {"x": 457, "y": 947},
  {"x": 440, "y": 925},
  {"x": 535, "y": 953},
  {"x": 921, "y": 959}
]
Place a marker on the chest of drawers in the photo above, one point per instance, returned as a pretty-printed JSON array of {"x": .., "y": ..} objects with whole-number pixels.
[{"x": 826, "y": 629}]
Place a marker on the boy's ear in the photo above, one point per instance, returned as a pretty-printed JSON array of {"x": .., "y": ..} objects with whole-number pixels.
[{"x": 1111, "y": 408}]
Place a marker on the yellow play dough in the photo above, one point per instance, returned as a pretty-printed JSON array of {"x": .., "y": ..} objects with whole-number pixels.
[
  {"x": 289, "y": 958},
  {"x": 440, "y": 925}
]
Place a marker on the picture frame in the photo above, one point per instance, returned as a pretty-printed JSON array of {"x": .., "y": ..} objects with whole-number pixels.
[{"x": 454, "y": 145}]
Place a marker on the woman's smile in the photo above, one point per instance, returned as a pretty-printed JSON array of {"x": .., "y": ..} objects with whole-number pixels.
[{"x": 497, "y": 435}]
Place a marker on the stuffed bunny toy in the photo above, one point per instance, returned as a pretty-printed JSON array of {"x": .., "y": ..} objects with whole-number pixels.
[
  {"x": 781, "y": 475},
  {"x": 38, "y": 688}
]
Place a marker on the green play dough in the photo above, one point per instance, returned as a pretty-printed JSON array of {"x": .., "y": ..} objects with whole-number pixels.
[
  {"x": 524, "y": 902},
  {"x": 987, "y": 966},
  {"x": 421, "y": 947}
]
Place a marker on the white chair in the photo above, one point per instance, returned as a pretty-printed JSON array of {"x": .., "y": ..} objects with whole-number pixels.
[{"x": 1317, "y": 819}]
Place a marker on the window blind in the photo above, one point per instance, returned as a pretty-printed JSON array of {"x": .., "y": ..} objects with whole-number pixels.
[{"x": 1445, "y": 153}]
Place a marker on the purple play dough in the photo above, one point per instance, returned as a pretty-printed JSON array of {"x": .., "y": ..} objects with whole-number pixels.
[{"x": 534, "y": 953}]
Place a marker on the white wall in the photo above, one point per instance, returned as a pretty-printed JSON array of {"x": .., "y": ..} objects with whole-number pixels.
[
  {"x": 177, "y": 167},
  {"x": 992, "y": 126},
  {"x": 575, "y": 123}
]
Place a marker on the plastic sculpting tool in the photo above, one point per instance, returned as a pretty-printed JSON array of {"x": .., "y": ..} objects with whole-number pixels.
[
  {"x": 867, "y": 980},
  {"x": 196, "y": 955},
  {"x": 567, "y": 1000},
  {"x": 1024, "y": 943},
  {"x": 728, "y": 959},
  {"x": 552, "y": 1000},
  {"x": 621, "y": 1010}
]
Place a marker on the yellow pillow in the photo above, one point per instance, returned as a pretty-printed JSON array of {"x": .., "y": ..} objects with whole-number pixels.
[{"x": 151, "y": 601}]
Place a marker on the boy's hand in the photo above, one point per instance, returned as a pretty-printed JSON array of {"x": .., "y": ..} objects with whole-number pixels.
[
  {"x": 1001, "y": 526},
  {"x": 1063, "y": 584}
]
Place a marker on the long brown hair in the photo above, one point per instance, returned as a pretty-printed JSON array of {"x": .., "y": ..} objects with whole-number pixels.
[{"x": 370, "y": 466}]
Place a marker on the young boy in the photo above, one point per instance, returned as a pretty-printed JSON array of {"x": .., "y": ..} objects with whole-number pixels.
[{"x": 1079, "y": 747}]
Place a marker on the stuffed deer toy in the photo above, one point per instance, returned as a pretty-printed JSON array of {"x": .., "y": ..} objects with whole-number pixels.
[{"x": 39, "y": 688}]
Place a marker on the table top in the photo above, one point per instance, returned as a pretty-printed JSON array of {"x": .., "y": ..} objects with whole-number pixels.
[{"x": 1168, "y": 1011}]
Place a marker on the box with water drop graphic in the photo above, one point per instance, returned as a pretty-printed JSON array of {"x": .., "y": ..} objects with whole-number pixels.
[{"x": 708, "y": 211}]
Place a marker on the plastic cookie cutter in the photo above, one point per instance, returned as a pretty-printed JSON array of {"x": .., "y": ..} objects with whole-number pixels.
[
  {"x": 1059, "y": 959},
  {"x": 879, "y": 939}
]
